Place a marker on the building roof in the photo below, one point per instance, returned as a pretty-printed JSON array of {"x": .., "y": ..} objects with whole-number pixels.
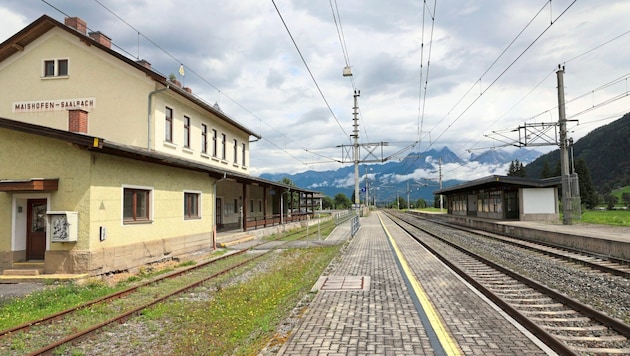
[
  {"x": 45, "y": 23},
  {"x": 496, "y": 180},
  {"x": 98, "y": 144}
]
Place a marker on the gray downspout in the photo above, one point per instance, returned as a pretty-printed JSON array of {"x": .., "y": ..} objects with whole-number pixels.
[{"x": 149, "y": 112}]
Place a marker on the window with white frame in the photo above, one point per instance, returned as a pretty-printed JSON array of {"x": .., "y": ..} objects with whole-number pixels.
[
  {"x": 223, "y": 147},
  {"x": 191, "y": 205},
  {"x": 55, "y": 68},
  {"x": 168, "y": 124},
  {"x": 186, "y": 132},
  {"x": 204, "y": 138},
  {"x": 136, "y": 205},
  {"x": 243, "y": 155}
]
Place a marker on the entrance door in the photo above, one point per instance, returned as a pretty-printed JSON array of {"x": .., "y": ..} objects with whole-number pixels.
[
  {"x": 219, "y": 213},
  {"x": 36, "y": 229}
]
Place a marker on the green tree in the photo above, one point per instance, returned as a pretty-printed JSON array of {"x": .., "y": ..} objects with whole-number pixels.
[
  {"x": 517, "y": 169},
  {"x": 421, "y": 203},
  {"x": 341, "y": 201},
  {"x": 557, "y": 171},
  {"x": 327, "y": 203},
  {"x": 546, "y": 171},
  {"x": 625, "y": 197},
  {"x": 587, "y": 191},
  {"x": 611, "y": 200}
]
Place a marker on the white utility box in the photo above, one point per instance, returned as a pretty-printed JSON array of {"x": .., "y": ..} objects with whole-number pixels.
[{"x": 64, "y": 225}]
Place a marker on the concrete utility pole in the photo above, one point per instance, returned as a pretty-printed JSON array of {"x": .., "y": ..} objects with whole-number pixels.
[
  {"x": 441, "y": 201},
  {"x": 355, "y": 135},
  {"x": 567, "y": 202}
]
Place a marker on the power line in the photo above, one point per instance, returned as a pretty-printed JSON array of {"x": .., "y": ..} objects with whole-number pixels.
[
  {"x": 309, "y": 70},
  {"x": 503, "y": 72}
]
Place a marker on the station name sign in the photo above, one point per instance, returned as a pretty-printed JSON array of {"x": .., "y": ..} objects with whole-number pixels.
[{"x": 53, "y": 105}]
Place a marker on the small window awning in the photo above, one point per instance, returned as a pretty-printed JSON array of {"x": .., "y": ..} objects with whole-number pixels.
[{"x": 29, "y": 185}]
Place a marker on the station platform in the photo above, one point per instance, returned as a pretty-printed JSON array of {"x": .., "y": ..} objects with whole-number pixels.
[
  {"x": 388, "y": 296},
  {"x": 605, "y": 240}
]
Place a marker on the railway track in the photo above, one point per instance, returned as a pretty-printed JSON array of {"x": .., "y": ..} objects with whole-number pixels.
[
  {"x": 563, "y": 323},
  {"x": 605, "y": 264},
  {"x": 45, "y": 335}
]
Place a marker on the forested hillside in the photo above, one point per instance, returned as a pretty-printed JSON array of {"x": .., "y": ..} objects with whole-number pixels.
[{"x": 606, "y": 152}]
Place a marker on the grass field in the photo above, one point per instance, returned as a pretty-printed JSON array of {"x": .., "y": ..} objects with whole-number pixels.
[{"x": 606, "y": 217}]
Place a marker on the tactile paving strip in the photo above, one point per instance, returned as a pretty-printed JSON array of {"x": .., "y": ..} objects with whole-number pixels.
[{"x": 343, "y": 283}]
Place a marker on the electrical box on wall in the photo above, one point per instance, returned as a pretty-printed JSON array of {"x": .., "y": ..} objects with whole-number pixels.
[{"x": 64, "y": 225}]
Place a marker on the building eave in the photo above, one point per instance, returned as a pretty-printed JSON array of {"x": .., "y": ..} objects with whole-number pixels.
[
  {"x": 495, "y": 180},
  {"x": 100, "y": 145}
]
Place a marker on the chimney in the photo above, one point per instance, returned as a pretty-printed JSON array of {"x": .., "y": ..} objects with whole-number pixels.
[
  {"x": 77, "y": 120},
  {"x": 101, "y": 38},
  {"x": 189, "y": 90},
  {"x": 144, "y": 63},
  {"x": 76, "y": 23}
]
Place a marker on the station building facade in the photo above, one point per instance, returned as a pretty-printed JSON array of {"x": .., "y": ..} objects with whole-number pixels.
[
  {"x": 504, "y": 198},
  {"x": 107, "y": 165}
]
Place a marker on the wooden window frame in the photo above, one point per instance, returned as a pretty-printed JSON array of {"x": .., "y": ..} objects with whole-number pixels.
[
  {"x": 235, "y": 151},
  {"x": 192, "y": 205},
  {"x": 215, "y": 144},
  {"x": 135, "y": 216}
]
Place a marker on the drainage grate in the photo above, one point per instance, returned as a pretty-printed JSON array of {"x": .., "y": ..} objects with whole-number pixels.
[{"x": 342, "y": 283}]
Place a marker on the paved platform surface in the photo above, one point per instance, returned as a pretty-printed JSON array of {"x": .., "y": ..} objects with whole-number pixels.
[{"x": 383, "y": 319}]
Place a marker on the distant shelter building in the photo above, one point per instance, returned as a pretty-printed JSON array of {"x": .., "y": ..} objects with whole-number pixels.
[
  {"x": 107, "y": 165},
  {"x": 504, "y": 198}
]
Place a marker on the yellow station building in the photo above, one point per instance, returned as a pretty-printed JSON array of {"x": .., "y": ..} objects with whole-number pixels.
[{"x": 107, "y": 165}]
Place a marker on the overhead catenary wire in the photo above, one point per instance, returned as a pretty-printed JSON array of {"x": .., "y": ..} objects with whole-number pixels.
[
  {"x": 503, "y": 73},
  {"x": 309, "y": 70},
  {"x": 189, "y": 69},
  {"x": 344, "y": 49}
]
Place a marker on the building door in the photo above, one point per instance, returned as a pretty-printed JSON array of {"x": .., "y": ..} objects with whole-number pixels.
[
  {"x": 511, "y": 205},
  {"x": 36, "y": 229},
  {"x": 219, "y": 213}
]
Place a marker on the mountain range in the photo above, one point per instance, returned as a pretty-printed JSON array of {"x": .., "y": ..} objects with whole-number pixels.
[
  {"x": 415, "y": 176},
  {"x": 604, "y": 150}
]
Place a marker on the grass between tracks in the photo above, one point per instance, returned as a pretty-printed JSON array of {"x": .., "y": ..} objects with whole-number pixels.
[{"x": 241, "y": 319}]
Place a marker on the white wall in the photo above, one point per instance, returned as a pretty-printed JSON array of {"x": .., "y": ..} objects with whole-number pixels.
[{"x": 538, "y": 201}]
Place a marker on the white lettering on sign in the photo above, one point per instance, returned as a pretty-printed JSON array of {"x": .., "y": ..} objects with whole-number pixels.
[{"x": 53, "y": 105}]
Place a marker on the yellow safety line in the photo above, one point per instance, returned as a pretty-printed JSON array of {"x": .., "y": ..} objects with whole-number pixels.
[{"x": 449, "y": 345}]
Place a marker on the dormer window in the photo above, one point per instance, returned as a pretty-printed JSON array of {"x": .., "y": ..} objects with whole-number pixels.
[{"x": 55, "y": 68}]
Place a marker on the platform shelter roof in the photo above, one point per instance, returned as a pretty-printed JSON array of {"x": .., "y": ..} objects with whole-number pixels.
[{"x": 497, "y": 180}]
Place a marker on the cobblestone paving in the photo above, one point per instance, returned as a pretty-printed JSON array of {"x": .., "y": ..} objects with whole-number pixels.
[
  {"x": 474, "y": 324},
  {"x": 381, "y": 321}
]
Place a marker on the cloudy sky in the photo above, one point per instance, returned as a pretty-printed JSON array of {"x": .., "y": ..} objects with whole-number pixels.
[{"x": 444, "y": 73}]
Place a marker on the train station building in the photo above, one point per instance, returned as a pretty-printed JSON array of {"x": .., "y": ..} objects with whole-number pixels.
[
  {"x": 504, "y": 198},
  {"x": 106, "y": 164}
]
